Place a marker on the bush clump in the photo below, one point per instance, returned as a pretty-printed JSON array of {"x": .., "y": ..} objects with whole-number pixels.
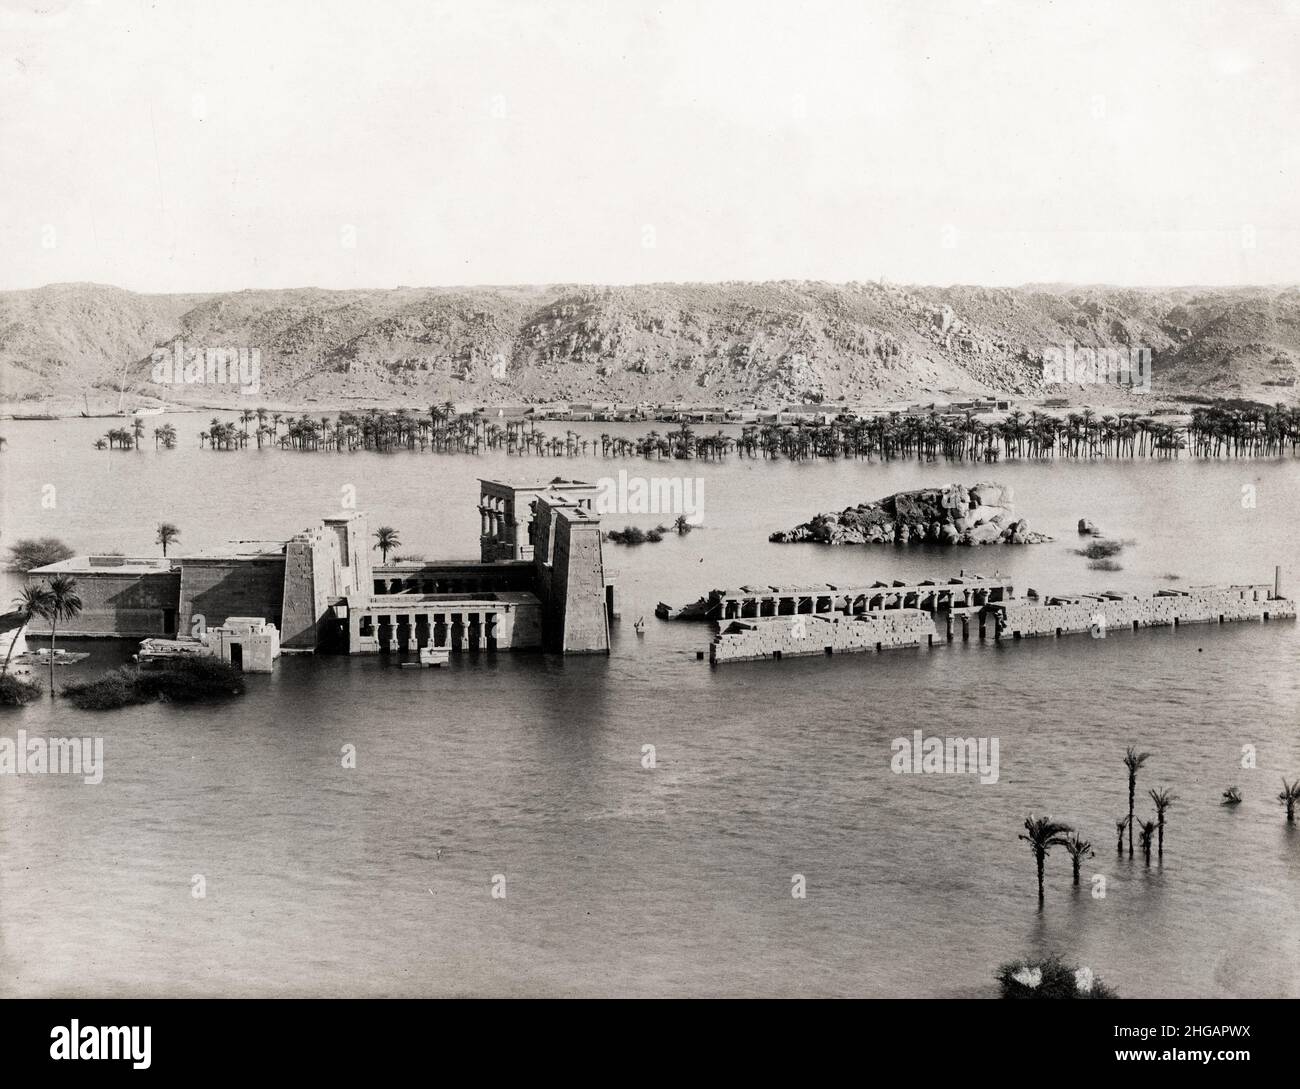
[
  {"x": 1050, "y": 977},
  {"x": 14, "y": 691},
  {"x": 1101, "y": 550},
  {"x": 190, "y": 679},
  {"x": 633, "y": 535},
  {"x": 107, "y": 693},
  {"x": 33, "y": 552},
  {"x": 629, "y": 535},
  {"x": 184, "y": 680}
]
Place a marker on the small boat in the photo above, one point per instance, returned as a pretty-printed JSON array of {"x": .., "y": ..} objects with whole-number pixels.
[{"x": 640, "y": 626}]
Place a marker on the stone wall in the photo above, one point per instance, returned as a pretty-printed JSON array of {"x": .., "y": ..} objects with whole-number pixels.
[
  {"x": 1199, "y": 605},
  {"x": 791, "y": 636},
  {"x": 127, "y": 605},
  {"x": 218, "y": 588}
]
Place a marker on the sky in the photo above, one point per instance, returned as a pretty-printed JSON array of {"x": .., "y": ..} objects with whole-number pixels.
[{"x": 179, "y": 146}]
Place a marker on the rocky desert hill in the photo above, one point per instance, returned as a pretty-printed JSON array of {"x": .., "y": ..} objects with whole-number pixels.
[{"x": 727, "y": 343}]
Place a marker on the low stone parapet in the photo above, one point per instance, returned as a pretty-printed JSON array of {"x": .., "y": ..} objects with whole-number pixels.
[
  {"x": 1162, "y": 608},
  {"x": 805, "y": 634}
]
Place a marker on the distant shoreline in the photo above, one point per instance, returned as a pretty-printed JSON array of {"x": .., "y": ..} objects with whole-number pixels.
[{"x": 56, "y": 408}]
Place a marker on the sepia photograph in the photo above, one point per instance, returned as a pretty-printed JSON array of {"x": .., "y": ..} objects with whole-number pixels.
[{"x": 575, "y": 500}]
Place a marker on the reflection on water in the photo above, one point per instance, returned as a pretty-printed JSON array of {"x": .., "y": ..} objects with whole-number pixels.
[{"x": 622, "y": 880}]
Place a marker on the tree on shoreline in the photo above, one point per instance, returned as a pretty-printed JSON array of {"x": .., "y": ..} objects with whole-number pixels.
[
  {"x": 63, "y": 603},
  {"x": 33, "y": 600}
]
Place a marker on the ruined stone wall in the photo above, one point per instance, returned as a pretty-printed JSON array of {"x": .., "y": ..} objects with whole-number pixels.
[
  {"x": 793, "y": 636},
  {"x": 217, "y": 589},
  {"x": 1201, "y": 605}
]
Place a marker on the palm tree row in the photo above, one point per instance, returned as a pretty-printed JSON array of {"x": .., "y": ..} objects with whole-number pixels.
[
  {"x": 129, "y": 437},
  {"x": 1212, "y": 432}
]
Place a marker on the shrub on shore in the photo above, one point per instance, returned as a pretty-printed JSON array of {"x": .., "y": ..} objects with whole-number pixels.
[
  {"x": 1050, "y": 977},
  {"x": 14, "y": 691},
  {"x": 186, "y": 680}
]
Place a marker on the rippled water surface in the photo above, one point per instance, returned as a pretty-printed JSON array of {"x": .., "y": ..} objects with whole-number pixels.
[{"x": 622, "y": 880}]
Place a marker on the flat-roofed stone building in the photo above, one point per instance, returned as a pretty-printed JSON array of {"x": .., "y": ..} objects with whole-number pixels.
[{"x": 121, "y": 596}]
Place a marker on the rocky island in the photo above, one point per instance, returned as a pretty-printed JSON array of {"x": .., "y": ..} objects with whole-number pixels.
[{"x": 980, "y": 514}]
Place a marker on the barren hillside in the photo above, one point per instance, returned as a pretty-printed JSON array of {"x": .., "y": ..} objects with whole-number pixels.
[{"x": 729, "y": 343}]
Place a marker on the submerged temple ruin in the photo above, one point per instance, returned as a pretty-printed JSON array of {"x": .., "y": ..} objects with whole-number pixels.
[
  {"x": 831, "y": 623},
  {"x": 540, "y": 583}
]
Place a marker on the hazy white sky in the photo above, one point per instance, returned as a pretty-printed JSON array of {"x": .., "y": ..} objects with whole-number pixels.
[{"x": 178, "y": 146}]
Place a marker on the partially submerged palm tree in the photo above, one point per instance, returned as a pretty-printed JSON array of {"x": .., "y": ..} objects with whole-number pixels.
[
  {"x": 1042, "y": 834},
  {"x": 63, "y": 603},
  {"x": 386, "y": 538},
  {"x": 1120, "y": 825},
  {"x": 1078, "y": 849},
  {"x": 1163, "y": 799},
  {"x": 1144, "y": 837},
  {"x": 32, "y": 601},
  {"x": 1289, "y": 796},
  {"x": 167, "y": 534},
  {"x": 1133, "y": 760},
  {"x": 1231, "y": 796}
]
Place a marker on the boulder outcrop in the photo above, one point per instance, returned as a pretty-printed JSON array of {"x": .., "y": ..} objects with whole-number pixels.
[{"x": 958, "y": 514}]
